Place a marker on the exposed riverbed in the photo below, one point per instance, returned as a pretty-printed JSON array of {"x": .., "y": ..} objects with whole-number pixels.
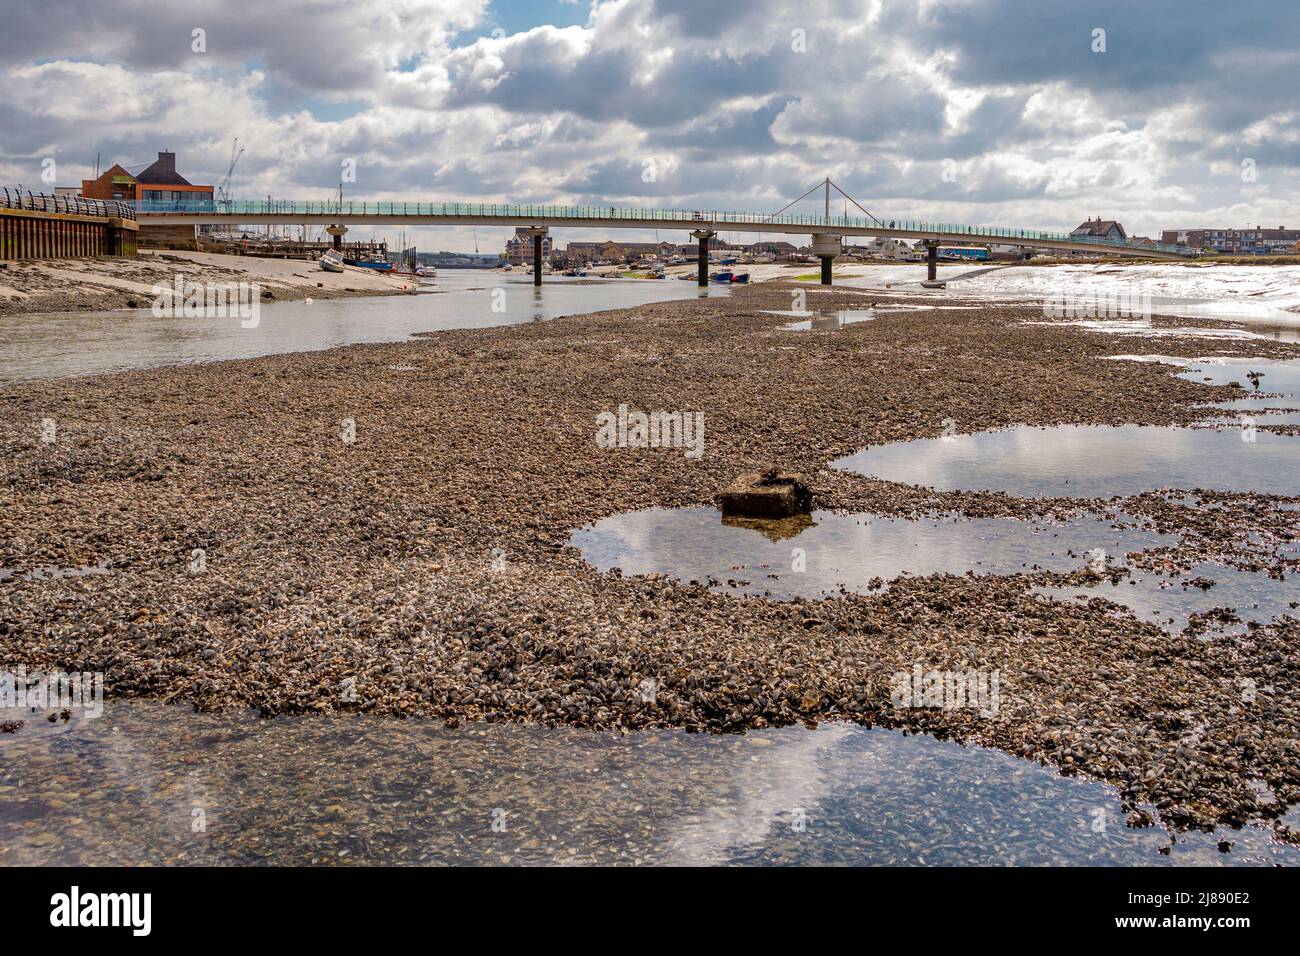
[{"x": 422, "y": 569}]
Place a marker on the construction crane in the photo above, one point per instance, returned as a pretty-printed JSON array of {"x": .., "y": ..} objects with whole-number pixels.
[{"x": 223, "y": 191}]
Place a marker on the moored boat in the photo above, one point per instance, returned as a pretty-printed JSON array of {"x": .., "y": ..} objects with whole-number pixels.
[
  {"x": 375, "y": 264},
  {"x": 331, "y": 261}
]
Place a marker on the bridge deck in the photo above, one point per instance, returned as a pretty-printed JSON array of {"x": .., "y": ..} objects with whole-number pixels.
[{"x": 274, "y": 212}]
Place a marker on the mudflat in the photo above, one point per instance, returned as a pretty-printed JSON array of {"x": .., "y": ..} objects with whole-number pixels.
[{"x": 384, "y": 529}]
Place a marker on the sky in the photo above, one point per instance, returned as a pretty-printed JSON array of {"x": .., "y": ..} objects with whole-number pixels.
[{"x": 1005, "y": 112}]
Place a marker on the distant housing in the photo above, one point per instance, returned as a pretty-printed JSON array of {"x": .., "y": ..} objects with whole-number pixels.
[
  {"x": 1258, "y": 241},
  {"x": 1100, "y": 228},
  {"x": 519, "y": 247}
]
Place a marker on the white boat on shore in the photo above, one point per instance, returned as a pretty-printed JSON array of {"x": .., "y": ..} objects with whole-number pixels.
[{"x": 332, "y": 261}]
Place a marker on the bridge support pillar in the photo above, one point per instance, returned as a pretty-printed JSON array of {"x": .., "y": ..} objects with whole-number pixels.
[
  {"x": 539, "y": 236},
  {"x": 931, "y": 259},
  {"x": 826, "y": 247},
  {"x": 337, "y": 232},
  {"x": 703, "y": 235}
]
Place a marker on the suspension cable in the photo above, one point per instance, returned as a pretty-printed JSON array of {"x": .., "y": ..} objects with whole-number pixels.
[{"x": 856, "y": 203}]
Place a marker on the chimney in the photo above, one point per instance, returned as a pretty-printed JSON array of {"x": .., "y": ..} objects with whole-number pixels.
[{"x": 167, "y": 162}]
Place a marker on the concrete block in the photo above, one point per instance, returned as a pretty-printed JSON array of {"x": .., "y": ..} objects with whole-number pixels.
[{"x": 772, "y": 493}]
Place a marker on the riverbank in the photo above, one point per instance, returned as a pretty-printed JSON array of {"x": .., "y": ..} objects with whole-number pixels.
[
  {"x": 384, "y": 528},
  {"x": 85, "y": 285}
]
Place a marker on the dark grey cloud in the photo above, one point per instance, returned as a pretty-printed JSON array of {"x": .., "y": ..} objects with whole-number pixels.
[
  {"x": 726, "y": 132},
  {"x": 541, "y": 74},
  {"x": 312, "y": 46}
]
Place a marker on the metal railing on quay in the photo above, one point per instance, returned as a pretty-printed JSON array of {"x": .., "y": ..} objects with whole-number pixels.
[{"x": 13, "y": 198}]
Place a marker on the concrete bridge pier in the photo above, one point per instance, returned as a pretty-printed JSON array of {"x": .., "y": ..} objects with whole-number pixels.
[
  {"x": 826, "y": 247},
  {"x": 338, "y": 232},
  {"x": 539, "y": 234},
  {"x": 931, "y": 260},
  {"x": 703, "y": 235}
]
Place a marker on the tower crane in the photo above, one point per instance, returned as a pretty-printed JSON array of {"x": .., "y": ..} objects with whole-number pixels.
[{"x": 223, "y": 191}]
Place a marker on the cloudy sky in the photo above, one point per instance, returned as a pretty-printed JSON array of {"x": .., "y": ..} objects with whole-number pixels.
[{"x": 1030, "y": 113}]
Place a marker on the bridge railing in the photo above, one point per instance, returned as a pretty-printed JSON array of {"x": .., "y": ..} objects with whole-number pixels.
[
  {"x": 711, "y": 218},
  {"x": 70, "y": 205}
]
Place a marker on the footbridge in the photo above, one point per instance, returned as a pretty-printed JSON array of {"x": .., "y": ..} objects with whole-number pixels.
[{"x": 827, "y": 231}]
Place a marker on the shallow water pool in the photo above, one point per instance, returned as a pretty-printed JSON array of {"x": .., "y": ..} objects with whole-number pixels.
[
  {"x": 151, "y": 783},
  {"x": 825, "y": 553},
  {"x": 1089, "y": 461}
]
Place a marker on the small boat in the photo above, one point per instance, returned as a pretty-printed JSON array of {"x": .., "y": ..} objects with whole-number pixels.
[
  {"x": 720, "y": 277},
  {"x": 427, "y": 272},
  {"x": 740, "y": 277},
  {"x": 332, "y": 261},
  {"x": 376, "y": 264}
]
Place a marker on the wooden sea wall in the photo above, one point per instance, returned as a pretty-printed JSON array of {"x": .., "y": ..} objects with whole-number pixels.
[{"x": 34, "y": 234}]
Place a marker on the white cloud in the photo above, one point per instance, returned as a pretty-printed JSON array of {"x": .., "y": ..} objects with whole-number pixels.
[{"x": 432, "y": 106}]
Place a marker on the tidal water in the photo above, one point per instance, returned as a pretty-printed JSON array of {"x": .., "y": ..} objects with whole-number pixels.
[
  {"x": 827, "y": 552},
  {"x": 84, "y": 343},
  {"x": 1089, "y": 461},
  {"x": 153, "y": 783},
  {"x": 806, "y": 321}
]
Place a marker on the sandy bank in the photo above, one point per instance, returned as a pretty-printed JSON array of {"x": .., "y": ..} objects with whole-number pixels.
[{"x": 82, "y": 285}]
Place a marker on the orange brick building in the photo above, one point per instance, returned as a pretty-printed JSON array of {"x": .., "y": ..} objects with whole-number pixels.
[{"x": 159, "y": 183}]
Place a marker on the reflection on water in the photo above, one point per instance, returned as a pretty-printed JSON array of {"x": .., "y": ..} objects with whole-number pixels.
[
  {"x": 150, "y": 783},
  {"x": 1274, "y": 385},
  {"x": 1266, "y": 321},
  {"x": 824, "y": 554},
  {"x": 1086, "y": 461},
  {"x": 1145, "y": 329},
  {"x": 1170, "y": 599},
  {"x": 826, "y": 321},
  {"x": 1263, "y": 375},
  {"x": 841, "y": 552},
  {"x": 49, "y": 346}
]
